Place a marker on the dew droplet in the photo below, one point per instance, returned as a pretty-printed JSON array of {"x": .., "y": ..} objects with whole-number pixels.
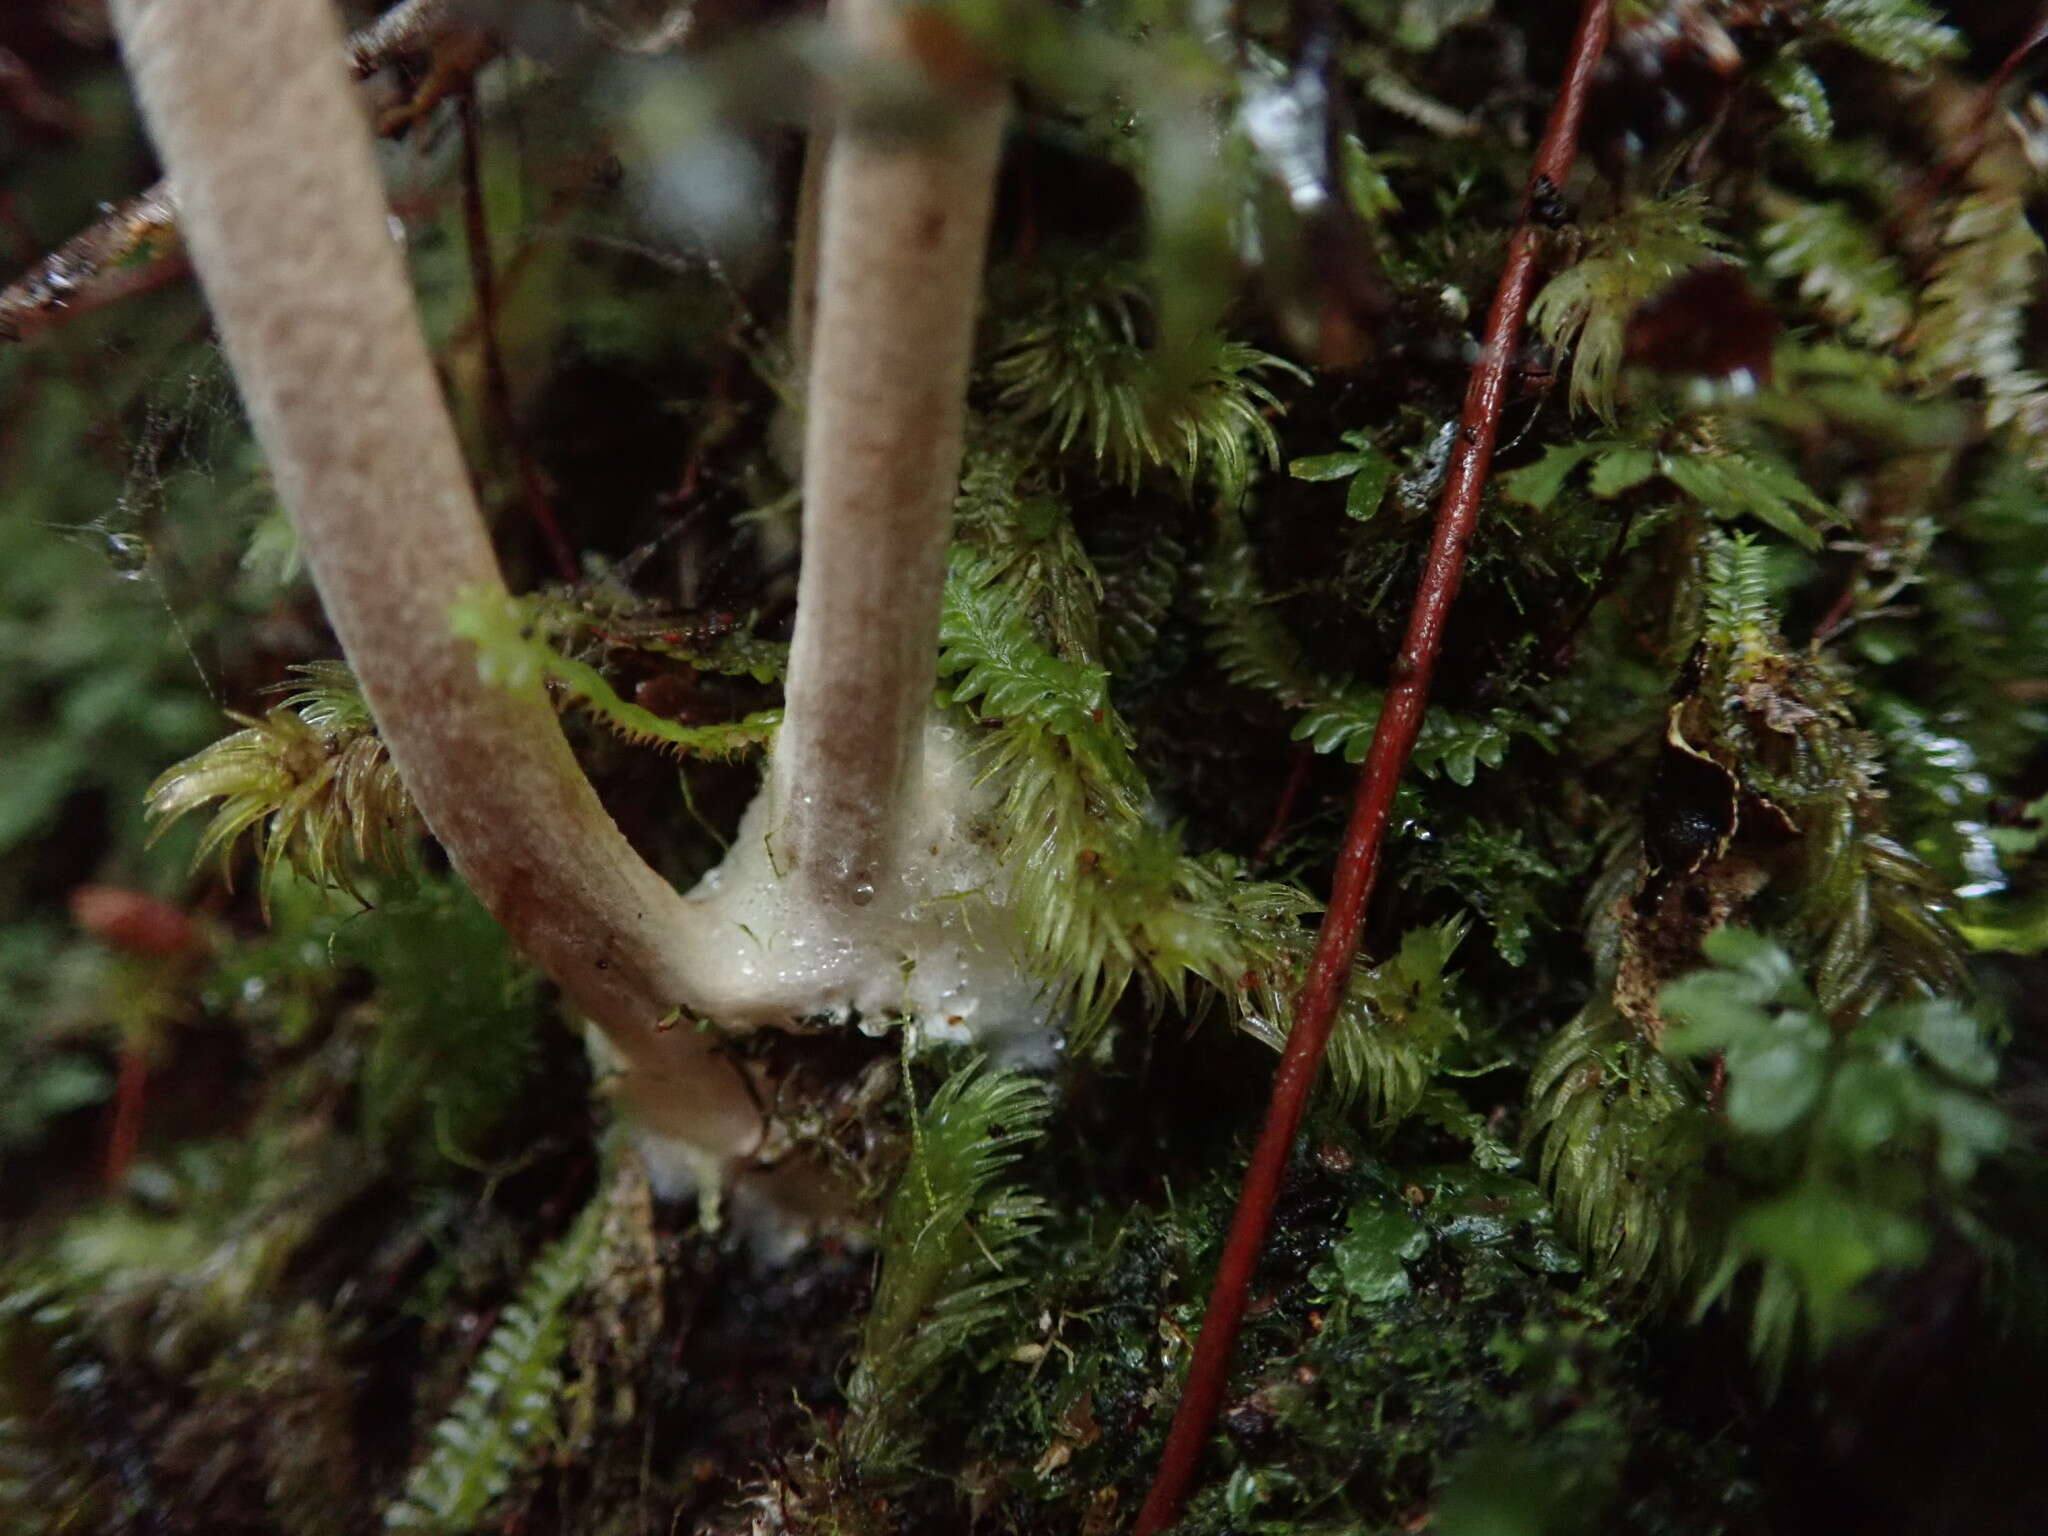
[
  {"x": 862, "y": 893},
  {"x": 128, "y": 554}
]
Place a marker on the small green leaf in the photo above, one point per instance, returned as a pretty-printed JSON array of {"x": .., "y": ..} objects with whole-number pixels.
[
  {"x": 1714, "y": 1011},
  {"x": 1884, "y": 644},
  {"x": 1366, "y": 182},
  {"x": 1772, "y": 1083},
  {"x": 1368, "y": 1259},
  {"x": 1327, "y": 466},
  {"x": 1969, "y": 1129},
  {"x": 1865, "y": 1106},
  {"x": 1831, "y": 1245},
  {"x": 1622, "y": 468},
  {"x": 1953, "y": 1041},
  {"x": 1537, "y": 485},
  {"x": 1727, "y": 484},
  {"x": 1369, "y": 486},
  {"x": 1739, "y": 949}
]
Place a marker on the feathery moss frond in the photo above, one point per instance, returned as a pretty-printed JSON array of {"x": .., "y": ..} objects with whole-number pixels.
[
  {"x": 310, "y": 782},
  {"x": 1906, "y": 34},
  {"x": 1801, "y": 95},
  {"x": 1622, "y": 1136},
  {"x": 1104, "y": 893},
  {"x": 1870, "y": 910},
  {"x": 455, "y": 1024},
  {"x": 949, "y": 1235},
  {"x": 1255, "y": 651},
  {"x": 1010, "y": 512},
  {"x": 1073, "y": 367},
  {"x": 329, "y": 700},
  {"x": 511, "y": 1403},
  {"x": 1141, "y": 576},
  {"x": 514, "y": 650},
  {"x": 1627, "y": 259},
  {"x": 1152, "y": 914},
  {"x": 1725, "y": 480},
  {"x": 1990, "y": 618},
  {"x": 1250, "y": 643},
  {"x": 1973, "y": 312},
  {"x": 1392, "y": 1028},
  {"x": 1841, "y": 268},
  {"x": 1736, "y": 600},
  {"x": 998, "y": 666},
  {"x": 1764, "y": 737}
]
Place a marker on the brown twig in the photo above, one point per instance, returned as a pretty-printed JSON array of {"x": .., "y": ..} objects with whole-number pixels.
[
  {"x": 1971, "y": 143},
  {"x": 497, "y": 382},
  {"x": 1393, "y": 740},
  {"x": 411, "y": 26},
  {"x": 130, "y": 250},
  {"x": 135, "y": 248}
]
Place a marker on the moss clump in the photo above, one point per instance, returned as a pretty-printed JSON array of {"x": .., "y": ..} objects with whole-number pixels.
[{"x": 1751, "y": 635}]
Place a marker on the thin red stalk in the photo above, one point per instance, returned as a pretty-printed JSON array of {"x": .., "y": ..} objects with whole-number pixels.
[
  {"x": 1393, "y": 740},
  {"x": 131, "y": 1089},
  {"x": 1304, "y": 756},
  {"x": 497, "y": 383}
]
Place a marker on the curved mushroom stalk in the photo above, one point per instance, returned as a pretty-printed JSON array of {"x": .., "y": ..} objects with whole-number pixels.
[{"x": 264, "y": 138}]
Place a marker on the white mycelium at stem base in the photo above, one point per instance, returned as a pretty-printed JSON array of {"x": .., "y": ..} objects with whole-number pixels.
[
  {"x": 857, "y": 882},
  {"x": 932, "y": 942}
]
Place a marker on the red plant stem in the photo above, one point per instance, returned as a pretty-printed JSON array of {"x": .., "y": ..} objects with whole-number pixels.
[
  {"x": 131, "y": 1088},
  {"x": 1393, "y": 740},
  {"x": 1283, "y": 813}
]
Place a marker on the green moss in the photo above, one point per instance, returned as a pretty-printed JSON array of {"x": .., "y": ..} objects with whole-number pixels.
[{"x": 1766, "y": 655}]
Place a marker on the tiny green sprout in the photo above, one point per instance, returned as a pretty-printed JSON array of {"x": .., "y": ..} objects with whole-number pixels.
[{"x": 1368, "y": 470}]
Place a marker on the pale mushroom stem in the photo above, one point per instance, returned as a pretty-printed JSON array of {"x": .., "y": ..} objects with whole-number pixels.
[
  {"x": 270, "y": 162},
  {"x": 264, "y": 138},
  {"x": 903, "y": 229}
]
